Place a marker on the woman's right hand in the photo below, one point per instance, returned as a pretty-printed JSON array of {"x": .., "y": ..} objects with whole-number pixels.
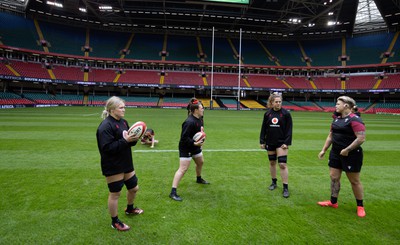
[{"x": 321, "y": 155}]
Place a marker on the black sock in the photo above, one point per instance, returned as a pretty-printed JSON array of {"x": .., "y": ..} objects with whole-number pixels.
[
  {"x": 333, "y": 200},
  {"x": 198, "y": 178},
  {"x": 114, "y": 219},
  {"x": 129, "y": 207},
  {"x": 173, "y": 190},
  {"x": 285, "y": 186},
  {"x": 274, "y": 180},
  {"x": 360, "y": 203}
]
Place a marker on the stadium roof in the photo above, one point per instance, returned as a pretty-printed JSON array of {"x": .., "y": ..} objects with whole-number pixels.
[{"x": 260, "y": 18}]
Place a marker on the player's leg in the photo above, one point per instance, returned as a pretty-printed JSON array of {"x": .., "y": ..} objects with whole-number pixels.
[
  {"x": 284, "y": 171},
  {"x": 335, "y": 174},
  {"x": 272, "y": 168},
  {"x": 131, "y": 183},
  {"x": 199, "y": 161},
  {"x": 184, "y": 163},
  {"x": 115, "y": 184},
  {"x": 358, "y": 191}
]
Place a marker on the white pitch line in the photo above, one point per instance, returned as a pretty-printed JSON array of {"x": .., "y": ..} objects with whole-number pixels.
[{"x": 210, "y": 150}]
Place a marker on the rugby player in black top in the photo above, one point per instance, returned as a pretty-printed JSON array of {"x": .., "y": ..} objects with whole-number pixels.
[
  {"x": 346, "y": 136},
  {"x": 114, "y": 145},
  {"x": 188, "y": 149},
  {"x": 275, "y": 137}
]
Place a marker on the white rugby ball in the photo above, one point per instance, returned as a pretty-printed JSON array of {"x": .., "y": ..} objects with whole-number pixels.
[
  {"x": 137, "y": 129},
  {"x": 199, "y": 136}
]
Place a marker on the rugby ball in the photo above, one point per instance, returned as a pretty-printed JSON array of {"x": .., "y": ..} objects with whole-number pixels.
[
  {"x": 199, "y": 136},
  {"x": 137, "y": 129}
]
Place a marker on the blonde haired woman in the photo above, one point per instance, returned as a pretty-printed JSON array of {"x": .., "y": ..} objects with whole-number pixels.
[
  {"x": 275, "y": 137},
  {"x": 346, "y": 136},
  {"x": 114, "y": 145}
]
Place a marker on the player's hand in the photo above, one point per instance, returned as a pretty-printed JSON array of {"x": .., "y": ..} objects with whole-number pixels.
[
  {"x": 262, "y": 146},
  {"x": 199, "y": 143},
  {"x": 344, "y": 152},
  {"x": 284, "y": 146},
  {"x": 129, "y": 138},
  {"x": 321, "y": 155}
]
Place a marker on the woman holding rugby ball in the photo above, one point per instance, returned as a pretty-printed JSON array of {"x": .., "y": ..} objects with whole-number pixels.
[
  {"x": 114, "y": 145},
  {"x": 188, "y": 148}
]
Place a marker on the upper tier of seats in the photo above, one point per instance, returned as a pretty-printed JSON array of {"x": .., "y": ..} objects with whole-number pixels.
[{"x": 17, "y": 31}]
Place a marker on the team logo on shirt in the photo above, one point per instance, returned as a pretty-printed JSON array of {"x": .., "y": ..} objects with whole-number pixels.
[{"x": 274, "y": 123}]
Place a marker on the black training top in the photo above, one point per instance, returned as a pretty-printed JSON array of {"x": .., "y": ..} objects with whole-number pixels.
[
  {"x": 115, "y": 151},
  {"x": 343, "y": 130},
  {"x": 190, "y": 127},
  {"x": 276, "y": 128}
]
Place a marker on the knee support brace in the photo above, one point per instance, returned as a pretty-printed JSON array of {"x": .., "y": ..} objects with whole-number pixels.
[
  {"x": 132, "y": 182},
  {"x": 272, "y": 157},
  {"x": 116, "y": 186},
  {"x": 282, "y": 159}
]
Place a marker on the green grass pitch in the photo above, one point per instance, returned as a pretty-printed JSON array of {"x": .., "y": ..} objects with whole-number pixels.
[{"x": 52, "y": 190}]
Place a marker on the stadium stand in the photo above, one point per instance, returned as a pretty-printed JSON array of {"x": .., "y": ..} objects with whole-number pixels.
[
  {"x": 22, "y": 33},
  {"x": 223, "y": 52},
  {"x": 223, "y": 79},
  {"x": 183, "y": 78},
  {"x": 307, "y": 105},
  {"x": 252, "y": 104},
  {"x": 367, "y": 49},
  {"x": 287, "y": 52},
  {"x": 145, "y": 101},
  {"x": 7, "y": 98},
  {"x": 229, "y": 103},
  {"x": 63, "y": 39},
  {"x": 107, "y": 44},
  {"x": 298, "y": 82},
  {"x": 323, "y": 52},
  {"x": 102, "y": 75},
  {"x": 5, "y": 71},
  {"x": 206, "y": 102},
  {"x": 18, "y": 32},
  {"x": 327, "y": 82},
  {"x": 361, "y": 82},
  {"x": 30, "y": 69},
  {"x": 390, "y": 81},
  {"x": 139, "y": 76},
  {"x": 252, "y": 52},
  {"x": 264, "y": 81},
  {"x": 68, "y": 73},
  {"x": 181, "y": 48},
  {"x": 175, "y": 102},
  {"x": 146, "y": 47},
  {"x": 140, "y": 101}
]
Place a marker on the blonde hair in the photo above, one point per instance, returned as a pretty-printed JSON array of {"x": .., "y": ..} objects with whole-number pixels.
[
  {"x": 348, "y": 100},
  {"x": 272, "y": 97},
  {"x": 111, "y": 104}
]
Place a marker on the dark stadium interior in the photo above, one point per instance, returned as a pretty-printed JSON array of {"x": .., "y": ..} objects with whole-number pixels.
[{"x": 159, "y": 53}]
